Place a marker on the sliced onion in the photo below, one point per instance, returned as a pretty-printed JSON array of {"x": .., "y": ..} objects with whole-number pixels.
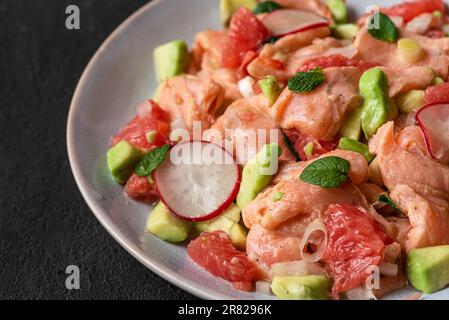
[
  {"x": 421, "y": 24},
  {"x": 144, "y": 108},
  {"x": 433, "y": 120},
  {"x": 296, "y": 268},
  {"x": 264, "y": 287},
  {"x": 388, "y": 269},
  {"x": 246, "y": 87},
  {"x": 314, "y": 226},
  {"x": 361, "y": 293}
]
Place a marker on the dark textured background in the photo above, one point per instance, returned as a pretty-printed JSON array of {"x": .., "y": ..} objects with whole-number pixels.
[{"x": 44, "y": 223}]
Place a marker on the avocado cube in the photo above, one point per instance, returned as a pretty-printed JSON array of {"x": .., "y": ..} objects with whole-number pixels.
[
  {"x": 238, "y": 236},
  {"x": 301, "y": 287},
  {"x": 171, "y": 59},
  {"x": 352, "y": 125},
  {"x": 338, "y": 9},
  {"x": 353, "y": 145},
  {"x": 428, "y": 268},
  {"x": 166, "y": 226},
  {"x": 270, "y": 88},
  {"x": 256, "y": 174},
  {"x": 345, "y": 31},
  {"x": 122, "y": 159},
  {"x": 229, "y": 7},
  {"x": 410, "y": 101}
]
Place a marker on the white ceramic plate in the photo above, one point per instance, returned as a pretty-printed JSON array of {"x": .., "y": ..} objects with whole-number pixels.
[{"x": 120, "y": 75}]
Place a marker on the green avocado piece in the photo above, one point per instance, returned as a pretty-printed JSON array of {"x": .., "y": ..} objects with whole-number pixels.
[
  {"x": 166, "y": 226},
  {"x": 352, "y": 125},
  {"x": 428, "y": 268},
  {"x": 301, "y": 288},
  {"x": 378, "y": 108},
  {"x": 345, "y": 31},
  {"x": 122, "y": 159},
  {"x": 229, "y": 7},
  {"x": 338, "y": 9},
  {"x": 258, "y": 173},
  {"x": 171, "y": 59},
  {"x": 410, "y": 101},
  {"x": 228, "y": 221},
  {"x": 353, "y": 145},
  {"x": 270, "y": 88},
  {"x": 437, "y": 80},
  {"x": 157, "y": 93}
]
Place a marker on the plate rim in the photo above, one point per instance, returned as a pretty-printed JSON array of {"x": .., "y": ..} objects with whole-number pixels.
[{"x": 175, "y": 279}]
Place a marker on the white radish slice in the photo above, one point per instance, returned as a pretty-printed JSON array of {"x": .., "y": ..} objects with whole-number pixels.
[
  {"x": 198, "y": 180},
  {"x": 434, "y": 122},
  {"x": 287, "y": 21}
]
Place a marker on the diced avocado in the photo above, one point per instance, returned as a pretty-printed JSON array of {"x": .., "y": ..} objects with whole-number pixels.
[
  {"x": 338, "y": 9},
  {"x": 437, "y": 80},
  {"x": 122, "y": 159},
  {"x": 353, "y": 145},
  {"x": 228, "y": 222},
  {"x": 166, "y": 226},
  {"x": 410, "y": 101},
  {"x": 270, "y": 88},
  {"x": 378, "y": 108},
  {"x": 428, "y": 268},
  {"x": 238, "y": 236},
  {"x": 345, "y": 31},
  {"x": 301, "y": 288},
  {"x": 309, "y": 149},
  {"x": 229, "y": 7},
  {"x": 352, "y": 125},
  {"x": 257, "y": 174},
  {"x": 171, "y": 59},
  {"x": 277, "y": 196}
]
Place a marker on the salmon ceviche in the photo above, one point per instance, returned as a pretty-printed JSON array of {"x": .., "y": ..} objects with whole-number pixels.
[{"x": 300, "y": 154}]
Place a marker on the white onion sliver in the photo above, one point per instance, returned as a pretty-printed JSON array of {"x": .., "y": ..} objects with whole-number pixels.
[
  {"x": 361, "y": 293},
  {"x": 421, "y": 24},
  {"x": 296, "y": 268},
  {"x": 246, "y": 87},
  {"x": 315, "y": 225},
  {"x": 388, "y": 269},
  {"x": 264, "y": 287}
]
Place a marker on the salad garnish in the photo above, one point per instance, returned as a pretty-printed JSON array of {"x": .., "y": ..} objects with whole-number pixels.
[
  {"x": 387, "y": 200},
  {"x": 266, "y": 7},
  {"x": 328, "y": 173},
  {"x": 382, "y": 28},
  {"x": 151, "y": 161},
  {"x": 304, "y": 82}
]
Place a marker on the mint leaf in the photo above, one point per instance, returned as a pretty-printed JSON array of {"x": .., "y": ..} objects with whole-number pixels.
[
  {"x": 304, "y": 82},
  {"x": 271, "y": 40},
  {"x": 151, "y": 161},
  {"x": 288, "y": 143},
  {"x": 266, "y": 6},
  {"x": 382, "y": 28},
  {"x": 327, "y": 173},
  {"x": 387, "y": 200}
]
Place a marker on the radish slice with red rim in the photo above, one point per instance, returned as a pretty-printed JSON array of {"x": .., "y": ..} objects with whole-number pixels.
[
  {"x": 288, "y": 21},
  {"x": 198, "y": 180},
  {"x": 434, "y": 122}
]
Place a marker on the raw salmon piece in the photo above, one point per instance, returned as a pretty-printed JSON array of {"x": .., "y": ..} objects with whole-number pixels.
[
  {"x": 398, "y": 166},
  {"x": 371, "y": 191},
  {"x": 245, "y": 127},
  {"x": 273, "y": 57},
  {"x": 429, "y": 225},
  {"x": 290, "y": 171},
  {"x": 404, "y": 80},
  {"x": 436, "y": 52},
  {"x": 299, "y": 198},
  {"x": 321, "y": 112},
  {"x": 189, "y": 98},
  {"x": 206, "y": 51},
  {"x": 411, "y": 139}
]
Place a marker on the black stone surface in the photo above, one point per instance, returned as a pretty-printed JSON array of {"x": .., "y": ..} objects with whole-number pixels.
[{"x": 44, "y": 223}]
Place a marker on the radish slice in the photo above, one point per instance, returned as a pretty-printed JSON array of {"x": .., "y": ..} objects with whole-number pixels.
[
  {"x": 287, "y": 21},
  {"x": 198, "y": 180},
  {"x": 434, "y": 122}
]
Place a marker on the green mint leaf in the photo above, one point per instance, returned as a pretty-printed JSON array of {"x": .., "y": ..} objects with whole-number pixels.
[
  {"x": 327, "y": 173},
  {"x": 387, "y": 200},
  {"x": 271, "y": 40},
  {"x": 151, "y": 161},
  {"x": 304, "y": 82},
  {"x": 382, "y": 28},
  {"x": 266, "y": 7},
  {"x": 289, "y": 146}
]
